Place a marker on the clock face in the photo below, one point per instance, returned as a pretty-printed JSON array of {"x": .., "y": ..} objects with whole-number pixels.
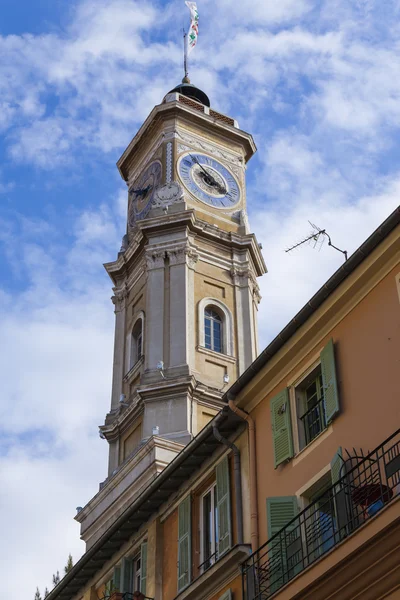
[
  {"x": 142, "y": 191},
  {"x": 208, "y": 180}
]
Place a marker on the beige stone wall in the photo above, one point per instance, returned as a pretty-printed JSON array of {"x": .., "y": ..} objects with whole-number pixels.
[
  {"x": 130, "y": 440},
  {"x": 204, "y": 415}
]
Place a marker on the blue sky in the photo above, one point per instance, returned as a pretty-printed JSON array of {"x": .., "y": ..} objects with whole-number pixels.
[{"x": 318, "y": 85}]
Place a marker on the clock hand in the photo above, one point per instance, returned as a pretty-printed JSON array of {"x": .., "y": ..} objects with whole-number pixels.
[
  {"x": 140, "y": 192},
  {"x": 214, "y": 182},
  {"x": 196, "y": 160}
]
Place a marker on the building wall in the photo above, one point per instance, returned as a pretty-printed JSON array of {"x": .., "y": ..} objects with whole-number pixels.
[{"x": 367, "y": 351}]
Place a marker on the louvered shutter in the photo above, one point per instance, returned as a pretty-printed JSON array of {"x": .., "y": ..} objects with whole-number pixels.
[
  {"x": 117, "y": 579},
  {"x": 336, "y": 466},
  {"x": 223, "y": 507},
  {"x": 328, "y": 370},
  {"x": 341, "y": 495},
  {"x": 184, "y": 543},
  {"x": 281, "y": 427},
  {"x": 143, "y": 567},
  {"x": 126, "y": 576},
  {"x": 284, "y": 551}
]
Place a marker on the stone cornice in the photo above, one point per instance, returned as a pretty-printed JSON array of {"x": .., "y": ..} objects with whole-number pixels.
[
  {"x": 150, "y": 445},
  {"x": 176, "y": 110},
  {"x": 117, "y": 424},
  {"x": 119, "y": 269}
]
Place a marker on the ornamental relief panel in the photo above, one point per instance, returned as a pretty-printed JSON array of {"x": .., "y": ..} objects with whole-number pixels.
[{"x": 194, "y": 142}]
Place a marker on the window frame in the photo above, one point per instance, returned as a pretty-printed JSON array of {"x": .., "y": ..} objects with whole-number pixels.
[
  {"x": 132, "y": 358},
  {"x": 298, "y": 390},
  {"x": 226, "y": 325},
  {"x": 214, "y": 543},
  {"x": 297, "y": 434},
  {"x": 137, "y": 556},
  {"x": 215, "y": 322}
]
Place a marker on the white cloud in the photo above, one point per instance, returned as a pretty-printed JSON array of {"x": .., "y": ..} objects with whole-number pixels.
[
  {"x": 56, "y": 377},
  {"x": 294, "y": 277},
  {"x": 318, "y": 86}
]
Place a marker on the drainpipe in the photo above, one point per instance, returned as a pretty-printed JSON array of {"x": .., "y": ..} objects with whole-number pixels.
[
  {"x": 253, "y": 471},
  {"x": 237, "y": 476}
]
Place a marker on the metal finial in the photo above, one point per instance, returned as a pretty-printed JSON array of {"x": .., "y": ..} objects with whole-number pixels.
[{"x": 186, "y": 79}]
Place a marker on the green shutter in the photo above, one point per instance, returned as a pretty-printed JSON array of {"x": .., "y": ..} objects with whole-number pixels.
[
  {"x": 280, "y": 510},
  {"x": 341, "y": 497},
  {"x": 223, "y": 507},
  {"x": 126, "y": 575},
  {"x": 281, "y": 427},
  {"x": 336, "y": 466},
  {"x": 117, "y": 579},
  {"x": 143, "y": 567},
  {"x": 328, "y": 370},
  {"x": 226, "y": 595},
  {"x": 283, "y": 550},
  {"x": 184, "y": 543}
]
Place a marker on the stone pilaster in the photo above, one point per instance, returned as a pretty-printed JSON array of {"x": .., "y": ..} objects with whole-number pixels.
[
  {"x": 154, "y": 324},
  {"x": 119, "y": 301},
  {"x": 243, "y": 280},
  {"x": 182, "y": 259}
]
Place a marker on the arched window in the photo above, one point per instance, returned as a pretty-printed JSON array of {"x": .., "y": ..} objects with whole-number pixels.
[
  {"x": 215, "y": 326},
  {"x": 213, "y": 330},
  {"x": 137, "y": 342}
]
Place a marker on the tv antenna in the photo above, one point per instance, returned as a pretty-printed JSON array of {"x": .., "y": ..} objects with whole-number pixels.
[{"x": 318, "y": 236}]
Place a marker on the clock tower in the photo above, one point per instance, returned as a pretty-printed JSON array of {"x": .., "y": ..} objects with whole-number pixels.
[{"x": 185, "y": 292}]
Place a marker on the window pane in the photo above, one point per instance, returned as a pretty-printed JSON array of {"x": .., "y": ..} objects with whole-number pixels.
[
  {"x": 217, "y": 336},
  {"x": 207, "y": 531}
]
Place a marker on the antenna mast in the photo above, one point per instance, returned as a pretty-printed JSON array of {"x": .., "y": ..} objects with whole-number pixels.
[{"x": 315, "y": 236}]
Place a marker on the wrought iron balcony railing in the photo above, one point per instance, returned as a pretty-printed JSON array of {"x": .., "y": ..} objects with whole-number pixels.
[
  {"x": 365, "y": 486},
  {"x": 125, "y": 596},
  {"x": 314, "y": 421}
]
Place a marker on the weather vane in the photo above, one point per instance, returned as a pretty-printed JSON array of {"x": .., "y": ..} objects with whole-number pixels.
[
  {"x": 190, "y": 38},
  {"x": 318, "y": 236}
]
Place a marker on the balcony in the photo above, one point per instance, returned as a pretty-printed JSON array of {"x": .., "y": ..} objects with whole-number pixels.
[{"x": 365, "y": 486}]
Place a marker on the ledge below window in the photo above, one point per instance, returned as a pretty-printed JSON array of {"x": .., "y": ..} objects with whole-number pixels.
[
  {"x": 207, "y": 582},
  {"x": 133, "y": 372},
  {"x": 214, "y": 354}
]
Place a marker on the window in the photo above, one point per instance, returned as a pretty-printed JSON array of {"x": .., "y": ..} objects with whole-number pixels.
[
  {"x": 215, "y": 526},
  {"x": 320, "y": 518},
  {"x": 136, "y": 573},
  {"x": 209, "y": 528},
  {"x": 136, "y": 343},
  {"x": 310, "y": 407},
  {"x": 316, "y": 405},
  {"x": 215, "y": 326},
  {"x": 212, "y": 330},
  {"x": 130, "y": 575}
]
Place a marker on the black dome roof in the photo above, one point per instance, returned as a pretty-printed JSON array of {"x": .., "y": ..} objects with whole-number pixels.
[{"x": 191, "y": 91}]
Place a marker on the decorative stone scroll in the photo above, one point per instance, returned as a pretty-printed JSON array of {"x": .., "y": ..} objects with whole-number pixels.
[
  {"x": 167, "y": 194},
  {"x": 183, "y": 255},
  {"x": 155, "y": 259},
  {"x": 119, "y": 298}
]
